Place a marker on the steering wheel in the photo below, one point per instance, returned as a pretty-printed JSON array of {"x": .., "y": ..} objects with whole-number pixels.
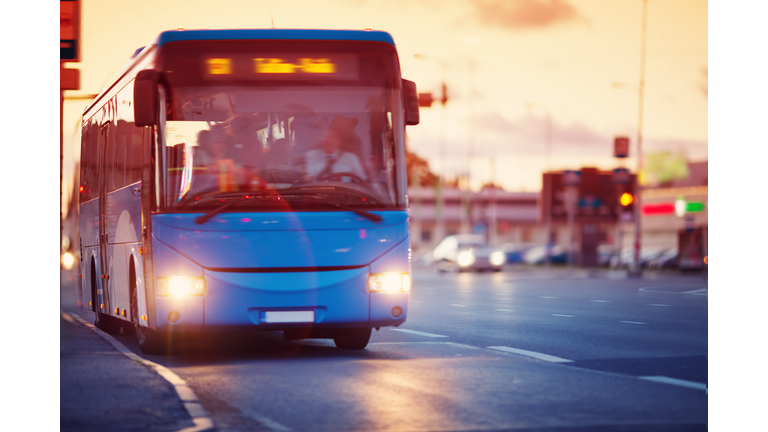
[{"x": 334, "y": 175}]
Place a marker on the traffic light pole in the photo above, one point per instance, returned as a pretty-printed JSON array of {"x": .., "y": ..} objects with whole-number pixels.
[{"x": 637, "y": 267}]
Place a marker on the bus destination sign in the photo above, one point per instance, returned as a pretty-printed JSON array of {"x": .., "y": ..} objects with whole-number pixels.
[{"x": 333, "y": 66}]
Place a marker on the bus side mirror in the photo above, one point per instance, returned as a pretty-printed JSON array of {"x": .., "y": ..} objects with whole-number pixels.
[
  {"x": 145, "y": 97},
  {"x": 411, "y": 103}
]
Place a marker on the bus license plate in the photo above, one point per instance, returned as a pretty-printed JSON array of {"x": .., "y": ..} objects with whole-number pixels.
[{"x": 289, "y": 316}]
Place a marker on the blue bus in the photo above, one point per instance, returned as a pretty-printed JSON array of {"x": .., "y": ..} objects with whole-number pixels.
[{"x": 249, "y": 179}]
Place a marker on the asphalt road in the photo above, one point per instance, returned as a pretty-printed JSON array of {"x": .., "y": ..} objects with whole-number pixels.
[{"x": 598, "y": 354}]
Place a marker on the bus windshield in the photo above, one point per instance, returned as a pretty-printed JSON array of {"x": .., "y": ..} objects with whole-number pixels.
[
  {"x": 302, "y": 130},
  {"x": 334, "y": 141}
]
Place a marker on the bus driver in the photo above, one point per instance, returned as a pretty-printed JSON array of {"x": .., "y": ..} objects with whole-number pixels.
[{"x": 332, "y": 158}]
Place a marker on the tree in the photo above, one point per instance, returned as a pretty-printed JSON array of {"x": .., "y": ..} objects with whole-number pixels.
[{"x": 418, "y": 170}]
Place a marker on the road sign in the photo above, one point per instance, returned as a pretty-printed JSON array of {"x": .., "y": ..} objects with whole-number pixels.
[
  {"x": 69, "y": 39},
  {"x": 621, "y": 147}
]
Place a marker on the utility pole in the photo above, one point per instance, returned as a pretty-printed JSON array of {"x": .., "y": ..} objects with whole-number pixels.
[{"x": 439, "y": 199}]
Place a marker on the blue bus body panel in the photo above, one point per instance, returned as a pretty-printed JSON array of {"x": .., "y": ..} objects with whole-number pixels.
[
  {"x": 338, "y": 298},
  {"x": 281, "y": 239},
  {"x": 274, "y": 34}
]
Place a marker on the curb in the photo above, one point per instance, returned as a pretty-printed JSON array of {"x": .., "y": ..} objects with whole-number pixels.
[{"x": 203, "y": 423}]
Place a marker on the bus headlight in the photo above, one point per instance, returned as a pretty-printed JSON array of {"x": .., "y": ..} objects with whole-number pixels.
[
  {"x": 497, "y": 258},
  {"x": 177, "y": 286},
  {"x": 389, "y": 282},
  {"x": 466, "y": 258}
]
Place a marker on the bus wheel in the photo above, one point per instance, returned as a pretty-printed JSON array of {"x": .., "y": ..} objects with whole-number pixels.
[
  {"x": 352, "y": 338},
  {"x": 150, "y": 341}
]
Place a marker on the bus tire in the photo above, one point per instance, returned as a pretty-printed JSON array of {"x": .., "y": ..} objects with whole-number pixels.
[
  {"x": 150, "y": 341},
  {"x": 102, "y": 322},
  {"x": 352, "y": 338}
]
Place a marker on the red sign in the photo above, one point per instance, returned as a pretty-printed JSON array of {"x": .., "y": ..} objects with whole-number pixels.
[
  {"x": 658, "y": 209},
  {"x": 69, "y": 30}
]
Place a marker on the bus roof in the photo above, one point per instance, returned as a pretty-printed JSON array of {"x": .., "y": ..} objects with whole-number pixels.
[
  {"x": 283, "y": 34},
  {"x": 245, "y": 34}
]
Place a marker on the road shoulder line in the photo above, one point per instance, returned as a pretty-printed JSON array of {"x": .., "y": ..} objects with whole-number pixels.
[
  {"x": 677, "y": 382},
  {"x": 186, "y": 395}
]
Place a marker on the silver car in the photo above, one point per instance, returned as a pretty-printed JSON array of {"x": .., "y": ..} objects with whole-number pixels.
[{"x": 466, "y": 252}]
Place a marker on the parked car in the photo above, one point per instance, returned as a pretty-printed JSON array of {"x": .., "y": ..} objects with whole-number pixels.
[
  {"x": 538, "y": 255},
  {"x": 515, "y": 251},
  {"x": 464, "y": 252},
  {"x": 628, "y": 256},
  {"x": 604, "y": 254},
  {"x": 667, "y": 259}
]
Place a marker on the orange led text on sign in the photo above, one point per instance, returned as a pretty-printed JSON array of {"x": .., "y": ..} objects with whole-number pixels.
[
  {"x": 220, "y": 66},
  {"x": 306, "y": 65}
]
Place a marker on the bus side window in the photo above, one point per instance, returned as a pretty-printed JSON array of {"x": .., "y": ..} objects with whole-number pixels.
[
  {"x": 118, "y": 170},
  {"x": 133, "y": 156},
  {"x": 84, "y": 164}
]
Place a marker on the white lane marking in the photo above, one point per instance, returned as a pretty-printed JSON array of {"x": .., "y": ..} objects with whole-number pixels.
[
  {"x": 601, "y": 301},
  {"x": 632, "y": 322},
  {"x": 546, "y": 297},
  {"x": 655, "y": 304},
  {"x": 456, "y": 305},
  {"x": 416, "y": 301},
  {"x": 675, "y": 381},
  {"x": 266, "y": 421},
  {"x": 418, "y": 333},
  {"x": 571, "y": 316},
  {"x": 540, "y": 356},
  {"x": 702, "y": 291},
  {"x": 505, "y": 310}
]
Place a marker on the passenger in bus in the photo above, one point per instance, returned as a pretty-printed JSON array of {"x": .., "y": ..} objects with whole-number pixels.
[
  {"x": 219, "y": 156},
  {"x": 278, "y": 157},
  {"x": 246, "y": 148},
  {"x": 333, "y": 157}
]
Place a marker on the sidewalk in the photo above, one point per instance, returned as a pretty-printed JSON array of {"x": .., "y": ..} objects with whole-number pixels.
[{"x": 101, "y": 389}]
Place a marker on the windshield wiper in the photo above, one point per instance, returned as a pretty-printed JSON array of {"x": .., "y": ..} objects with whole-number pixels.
[
  {"x": 364, "y": 213},
  {"x": 206, "y": 217}
]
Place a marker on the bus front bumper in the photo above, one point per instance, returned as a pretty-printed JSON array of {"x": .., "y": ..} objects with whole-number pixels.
[{"x": 283, "y": 300}]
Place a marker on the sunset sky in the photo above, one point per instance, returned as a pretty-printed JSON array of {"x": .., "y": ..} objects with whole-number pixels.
[{"x": 536, "y": 59}]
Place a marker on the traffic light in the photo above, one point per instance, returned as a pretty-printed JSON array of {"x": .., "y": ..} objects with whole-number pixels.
[
  {"x": 425, "y": 100},
  {"x": 626, "y": 199}
]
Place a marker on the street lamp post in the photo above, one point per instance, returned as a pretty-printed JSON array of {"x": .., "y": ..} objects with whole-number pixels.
[
  {"x": 470, "y": 41},
  {"x": 547, "y": 152},
  {"x": 439, "y": 199}
]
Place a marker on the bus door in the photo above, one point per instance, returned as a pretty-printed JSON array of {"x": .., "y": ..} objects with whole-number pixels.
[{"x": 105, "y": 171}]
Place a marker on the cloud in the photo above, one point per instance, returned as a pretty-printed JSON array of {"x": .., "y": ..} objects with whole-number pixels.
[
  {"x": 526, "y": 14},
  {"x": 529, "y": 134}
]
